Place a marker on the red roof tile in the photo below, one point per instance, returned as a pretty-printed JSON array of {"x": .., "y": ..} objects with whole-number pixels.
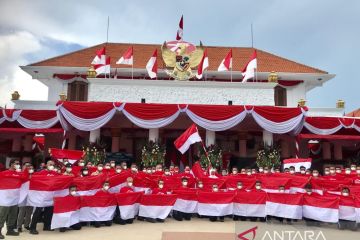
[
  {"x": 267, "y": 62},
  {"x": 355, "y": 113}
]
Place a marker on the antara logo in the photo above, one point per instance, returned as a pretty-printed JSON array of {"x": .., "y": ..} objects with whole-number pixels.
[
  {"x": 241, "y": 236},
  {"x": 293, "y": 235}
]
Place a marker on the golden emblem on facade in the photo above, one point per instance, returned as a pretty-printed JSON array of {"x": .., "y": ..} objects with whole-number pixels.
[{"x": 180, "y": 62}]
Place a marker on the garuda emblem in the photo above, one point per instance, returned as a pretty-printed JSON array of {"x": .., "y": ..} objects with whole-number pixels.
[{"x": 180, "y": 62}]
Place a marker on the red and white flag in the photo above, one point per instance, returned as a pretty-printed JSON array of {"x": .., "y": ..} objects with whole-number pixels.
[
  {"x": 97, "y": 208},
  {"x": 357, "y": 208},
  {"x": 100, "y": 57},
  {"x": 152, "y": 66},
  {"x": 250, "y": 204},
  {"x": 271, "y": 184},
  {"x": 204, "y": 64},
  {"x": 179, "y": 34},
  {"x": 249, "y": 70},
  {"x": 297, "y": 163},
  {"x": 43, "y": 189},
  {"x": 187, "y": 201},
  {"x": 298, "y": 183},
  {"x": 156, "y": 205},
  {"x": 190, "y": 136},
  {"x": 103, "y": 68},
  {"x": 88, "y": 186},
  {"x": 72, "y": 155},
  {"x": 347, "y": 208},
  {"x": 127, "y": 58},
  {"x": 128, "y": 204},
  {"x": 321, "y": 208},
  {"x": 226, "y": 63},
  {"x": 284, "y": 205},
  {"x": 66, "y": 212},
  {"x": 10, "y": 188},
  {"x": 247, "y": 182},
  {"x": 215, "y": 203}
]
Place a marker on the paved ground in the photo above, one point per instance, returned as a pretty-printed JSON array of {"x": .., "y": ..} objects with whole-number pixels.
[{"x": 195, "y": 229}]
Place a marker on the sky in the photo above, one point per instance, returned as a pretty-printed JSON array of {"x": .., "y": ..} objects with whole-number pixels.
[{"x": 319, "y": 33}]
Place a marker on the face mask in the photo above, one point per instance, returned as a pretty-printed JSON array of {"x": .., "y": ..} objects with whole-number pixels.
[
  {"x": 266, "y": 171},
  {"x": 167, "y": 173},
  {"x": 358, "y": 171},
  {"x": 118, "y": 170},
  {"x": 234, "y": 172},
  {"x": 345, "y": 194},
  {"x": 133, "y": 169},
  {"x": 85, "y": 173},
  {"x": 248, "y": 173},
  {"x": 315, "y": 174},
  {"x": 338, "y": 171},
  {"x": 73, "y": 193},
  {"x": 353, "y": 168},
  {"x": 130, "y": 184},
  {"x": 258, "y": 187},
  {"x": 31, "y": 171},
  {"x": 106, "y": 188},
  {"x": 51, "y": 168},
  {"x": 253, "y": 172},
  {"x": 332, "y": 171},
  {"x": 200, "y": 186},
  {"x": 281, "y": 191},
  {"x": 159, "y": 170},
  {"x": 124, "y": 167},
  {"x": 161, "y": 185},
  {"x": 81, "y": 164},
  {"x": 100, "y": 168},
  {"x": 148, "y": 171},
  {"x": 68, "y": 170},
  {"x": 347, "y": 171},
  {"x": 215, "y": 189},
  {"x": 107, "y": 167},
  {"x": 184, "y": 183},
  {"x": 112, "y": 164},
  {"x": 302, "y": 172},
  {"x": 17, "y": 166},
  {"x": 292, "y": 171},
  {"x": 261, "y": 170},
  {"x": 187, "y": 171},
  {"x": 18, "y": 170},
  {"x": 327, "y": 172},
  {"x": 239, "y": 186},
  {"x": 308, "y": 192}
]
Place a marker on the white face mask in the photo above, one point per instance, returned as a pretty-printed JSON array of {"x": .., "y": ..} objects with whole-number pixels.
[
  {"x": 358, "y": 171},
  {"x": 184, "y": 183},
  {"x": 261, "y": 170},
  {"x": 215, "y": 189},
  {"x": 234, "y": 172},
  {"x": 118, "y": 170},
  {"x": 18, "y": 170},
  {"x": 161, "y": 185},
  {"x": 124, "y": 167},
  {"x": 302, "y": 172},
  {"x": 292, "y": 171},
  {"x": 348, "y": 171},
  {"x": 167, "y": 173},
  {"x": 200, "y": 186},
  {"x": 100, "y": 168},
  {"x": 326, "y": 172},
  {"x": 338, "y": 171},
  {"x": 17, "y": 166},
  {"x": 258, "y": 187},
  {"x": 332, "y": 171},
  {"x": 353, "y": 168},
  {"x": 73, "y": 193},
  {"x": 308, "y": 192},
  {"x": 112, "y": 164},
  {"x": 106, "y": 187},
  {"x": 81, "y": 164},
  {"x": 266, "y": 171},
  {"x": 281, "y": 191},
  {"x": 85, "y": 173},
  {"x": 107, "y": 167},
  {"x": 148, "y": 171},
  {"x": 31, "y": 171},
  {"x": 130, "y": 184},
  {"x": 315, "y": 174},
  {"x": 51, "y": 168},
  {"x": 345, "y": 194},
  {"x": 133, "y": 169},
  {"x": 68, "y": 170},
  {"x": 248, "y": 173},
  {"x": 239, "y": 186}
]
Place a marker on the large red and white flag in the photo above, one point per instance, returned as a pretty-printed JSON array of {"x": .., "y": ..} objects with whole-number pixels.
[
  {"x": 43, "y": 189},
  {"x": 347, "y": 208},
  {"x": 204, "y": 64},
  {"x": 127, "y": 58},
  {"x": 88, "y": 186},
  {"x": 321, "y": 208},
  {"x": 190, "y": 136},
  {"x": 128, "y": 204},
  {"x": 250, "y": 204},
  {"x": 298, "y": 183},
  {"x": 297, "y": 163},
  {"x": 10, "y": 190},
  {"x": 250, "y": 68},
  {"x": 357, "y": 208},
  {"x": 97, "y": 208},
  {"x": 215, "y": 203},
  {"x": 226, "y": 63},
  {"x": 100, "y": 57},
  {"x": 179, "y": 33},
  {"x": 247, "y": 182},
  {"x": 103, "y": 68},
  {"x": 118, "y": 181},
  {"x": 152, "y": 66},
  {"x": 71, "y": 155},
  {"x": 187, "y": 201},
  {"x": 156, "y": 205},
  {"x": 66, "y": 212},
  {"x": 271, "y": 184},
  {"x": 284, "y": 205}
]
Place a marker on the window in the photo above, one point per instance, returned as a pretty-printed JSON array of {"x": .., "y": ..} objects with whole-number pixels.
[
  {"x": 77, "y": 91},
  {"x": 280, "y": 96}
]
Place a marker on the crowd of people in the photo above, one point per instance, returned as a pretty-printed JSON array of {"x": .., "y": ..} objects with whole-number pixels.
[{"x": 22, "y": 216}]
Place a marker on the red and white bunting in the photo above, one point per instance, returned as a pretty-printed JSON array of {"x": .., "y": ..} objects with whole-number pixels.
[
  {"x": 204, "y": 64},
  {"x": 226, "y": 63},
  {"x": 189, "y": 137},
  {"x": 249, "y": 70},
  {"x": 180, "y": 31},
  {"x": 127, "y": 58},
  {"x": 152, "y": 65}
]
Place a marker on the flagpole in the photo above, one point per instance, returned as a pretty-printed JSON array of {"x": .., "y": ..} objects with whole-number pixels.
[{"x": 107, "y": 40}]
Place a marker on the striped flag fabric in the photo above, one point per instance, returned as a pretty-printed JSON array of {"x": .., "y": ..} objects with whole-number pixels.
[
  {"x": 321, "y": 208},
  {"x": 103, "y": 68},
  {"x": 215, "y": 203},
  {"x": 284, "y": 205},
  {"x": 66, "y": 212},
  {"x": 100, "y": 57},
  {"x": 127, "y": 58},
  {"x": 249, "y": 70},
  {"x": 187, "y": 201},
  {"x": 347, "y": 208},
  {"x": 189, "y": 137},
  {"x": 88, "y": 186},
  {"x": 97, "y": 208},
  {"x": 152, "y": 65},
  {"x": 226, "y": 63},
  {"x": 204, "y": 64},
  {"x": 128, "y": 204},
  {"x": 297, "y": 163},
  {"x": 156, "y": 205},
  {"x": 180, "y": 31},
  {"x": 250, "y": 204},
  {"x": 10, "y": 188}
]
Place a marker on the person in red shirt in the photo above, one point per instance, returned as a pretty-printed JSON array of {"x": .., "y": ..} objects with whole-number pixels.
[
  {"x": 104, "y": 191},
  {"x": 129, "y": 186},
  {"x": 99, "y": 170},
  {"x": 72, "y": 193},
  {"x": 215, "y": 188},
  {"x": 8, "y": 214},
  {"x": 160, "y": 189}
]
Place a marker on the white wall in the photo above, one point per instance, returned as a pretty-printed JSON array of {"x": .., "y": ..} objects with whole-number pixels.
[{"x": 294, "y": 94}]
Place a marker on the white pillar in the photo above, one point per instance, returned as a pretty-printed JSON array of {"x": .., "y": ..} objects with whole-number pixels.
[
  {"x": 326, "y": 150},
  {"x": 94, "y": 135},
  {"x": 210, "y": 138},
  {"x": 153, "y": 134},
  {"x": 267, "y": 137},
  {"x": 338, "y": 151}
]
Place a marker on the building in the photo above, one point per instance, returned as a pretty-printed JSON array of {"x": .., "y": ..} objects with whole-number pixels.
[{"x": 126, "y": 108}]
